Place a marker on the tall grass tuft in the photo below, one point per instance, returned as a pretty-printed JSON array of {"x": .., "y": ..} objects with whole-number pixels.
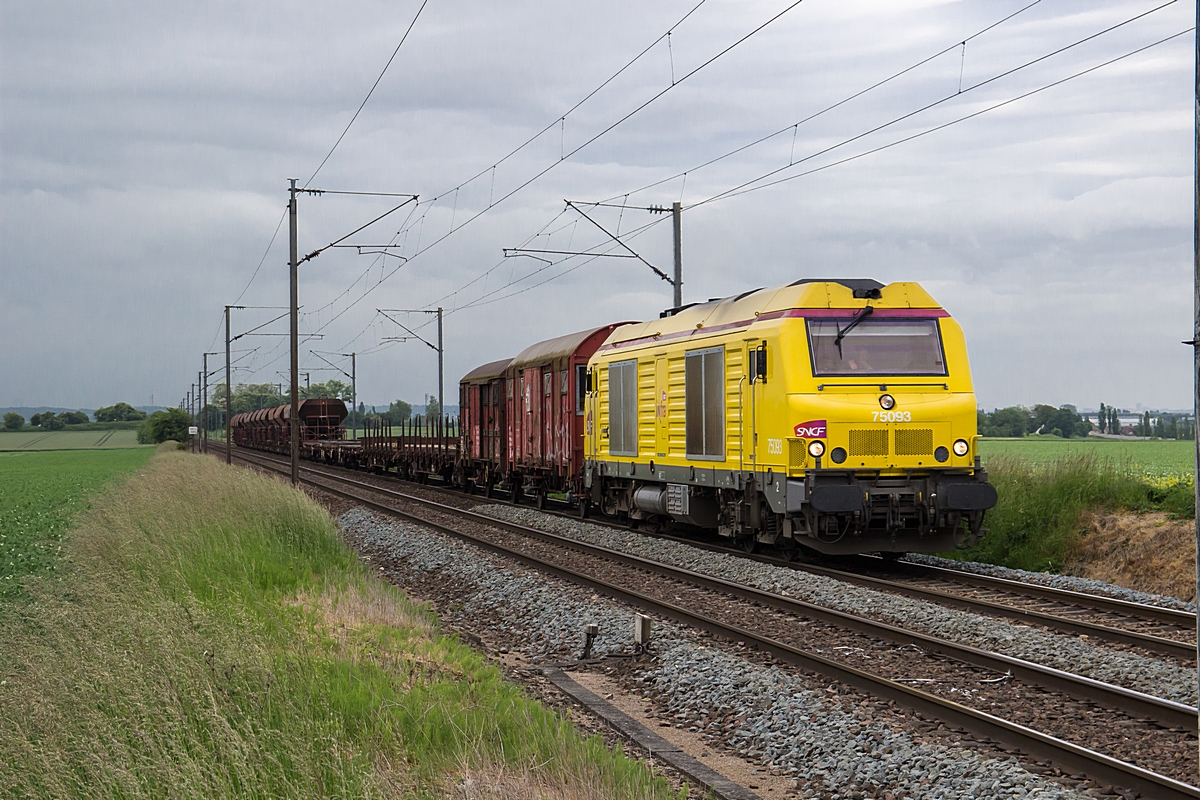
[
  {"x": 211, "y": 637},
  {"x": 1036, "y": 524}
]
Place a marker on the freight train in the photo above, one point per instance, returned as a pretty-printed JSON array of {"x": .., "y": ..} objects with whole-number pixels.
[{"x": 833, "y": 416}]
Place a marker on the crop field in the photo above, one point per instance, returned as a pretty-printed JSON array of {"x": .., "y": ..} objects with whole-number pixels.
[
  {"x": 1152, "y": 458},
  {"x": 42, "y": 492},
  {"x": 68, "y": 440}
]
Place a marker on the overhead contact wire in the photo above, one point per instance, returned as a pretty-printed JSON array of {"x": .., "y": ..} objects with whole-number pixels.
[
  {"x": 369, "y": 93},
  {"x": 574, "y": 150}
]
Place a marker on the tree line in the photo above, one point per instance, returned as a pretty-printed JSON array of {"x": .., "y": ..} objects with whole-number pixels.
[
  {"x": 1016, "y": 421},
  {"x": 51, "y": 421},
  {"x": 1152, "y": 425},
  {"x": 1066, "y": 422}
]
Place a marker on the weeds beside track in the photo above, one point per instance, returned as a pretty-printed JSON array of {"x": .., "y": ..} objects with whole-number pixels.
[{"x": 210, "y": 636}]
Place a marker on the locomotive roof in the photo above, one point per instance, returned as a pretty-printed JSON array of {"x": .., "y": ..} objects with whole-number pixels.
[
  {"x": 744, "y": 309},
  {"x": 559, "y": 347},
  {"x": 486, "y": 372}
]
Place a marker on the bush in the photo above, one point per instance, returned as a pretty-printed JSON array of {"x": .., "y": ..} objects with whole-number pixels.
[
  {"x": 13, "y": 421},
  {"x": 1036, "y": 523},
  {"x": 119, "y": 412},
  {"x": 74, "y": 418},
  {"x": 162, "y": 426},
  {"x": 47, "y": 420}
]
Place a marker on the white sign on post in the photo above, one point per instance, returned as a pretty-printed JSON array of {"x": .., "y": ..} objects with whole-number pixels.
[{"x": 193, "y": 430}]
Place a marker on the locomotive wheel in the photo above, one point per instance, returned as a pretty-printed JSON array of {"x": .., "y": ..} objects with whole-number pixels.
[
  {"x": 748, "y": 542},
  {"x": 582, "y": 507}
]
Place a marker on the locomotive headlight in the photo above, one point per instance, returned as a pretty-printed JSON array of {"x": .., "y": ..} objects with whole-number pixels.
[
  {"x": 887, "y": 402},
  {"x": 961, "y": 447},
  {"x": 816, "y": 448}
]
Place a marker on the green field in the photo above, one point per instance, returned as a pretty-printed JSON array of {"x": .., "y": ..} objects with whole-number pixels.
[
  {"x": 68, "y": 440},
  {"x": 42, "y": 492},
  {"x": 1162, "y": 459}
]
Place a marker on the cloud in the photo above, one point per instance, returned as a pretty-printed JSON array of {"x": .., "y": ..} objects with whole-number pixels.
[{"x": 146, "y": 149}]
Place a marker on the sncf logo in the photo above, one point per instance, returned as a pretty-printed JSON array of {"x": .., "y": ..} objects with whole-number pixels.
[{"x": 814, "y": 429}]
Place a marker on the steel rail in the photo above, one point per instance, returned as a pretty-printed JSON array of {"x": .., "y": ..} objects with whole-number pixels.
[
  {"x": 1137, "y": 704},
  {"x": 1179, "y": 649},
  {"x": 1169, "y": 616},
  {"x": 1066, "y": 755},
  {"x": 1175, "y": 648}
]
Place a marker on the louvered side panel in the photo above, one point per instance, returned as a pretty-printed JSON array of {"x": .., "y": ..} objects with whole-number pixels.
[
  {"x": 676, "y": 408},
  {"x": 736, "y": 400},
  {"x": 645, "y": 406}
]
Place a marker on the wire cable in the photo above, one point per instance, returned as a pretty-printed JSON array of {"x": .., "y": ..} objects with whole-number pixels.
[
  {"x": 795, "y": 126},
  {"x": 369, "y": 93},
  {"x": 568, "y": 154},
  {"x": 746, "y": 188},
  {"x": 945, "y": 99},
  {"x": 261, "y": 261}
]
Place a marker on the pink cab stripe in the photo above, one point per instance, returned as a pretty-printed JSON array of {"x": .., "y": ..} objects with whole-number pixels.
[{"x": 791, "y": 313}]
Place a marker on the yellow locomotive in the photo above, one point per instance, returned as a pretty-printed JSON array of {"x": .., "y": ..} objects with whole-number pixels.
[{"x": 833, "y": 415}]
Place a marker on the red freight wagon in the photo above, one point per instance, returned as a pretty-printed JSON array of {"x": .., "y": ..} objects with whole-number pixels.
[
  {"x": 482, "y": 417},
  {"x": 545, "y": 402},
  {"x": 267, "y": 428}
]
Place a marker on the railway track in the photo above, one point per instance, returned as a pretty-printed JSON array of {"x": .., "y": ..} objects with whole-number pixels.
[
  {"x": 1151, "y": 629},
  {"x": 678, "y": 594}
]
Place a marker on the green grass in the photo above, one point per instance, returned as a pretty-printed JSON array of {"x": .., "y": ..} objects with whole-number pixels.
[
  {"x": 1043, "y": 495},
  {"x": 82, "y": 426},
  {"x": 41, "y": 494},
  {"x": 212, "y": 637},
  {"x": 68, "y": 440},
  {"x": 1155, "y": 458}
]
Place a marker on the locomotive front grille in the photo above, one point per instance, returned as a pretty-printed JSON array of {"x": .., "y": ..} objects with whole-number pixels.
[
  {"x": 796, "y": 453},
  {"x": 869, "y": 442},
  {"x": 914, "y": 442}
]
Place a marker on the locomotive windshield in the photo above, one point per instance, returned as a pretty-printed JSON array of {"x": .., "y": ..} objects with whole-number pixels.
[{"x": 876, "y": 347}]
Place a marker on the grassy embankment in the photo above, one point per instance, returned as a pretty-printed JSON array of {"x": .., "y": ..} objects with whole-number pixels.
[
  {"x": 207, "y": 635},
  {"x": 1047, "y": 486}
]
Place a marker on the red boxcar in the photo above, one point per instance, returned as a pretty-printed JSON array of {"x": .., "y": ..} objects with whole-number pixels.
[
  {"x": 482, "y": 416},
  {"x": 544, "y": 398}
]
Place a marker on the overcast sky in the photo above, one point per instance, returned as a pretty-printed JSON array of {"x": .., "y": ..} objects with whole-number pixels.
[{"x": 146, "y": 149}]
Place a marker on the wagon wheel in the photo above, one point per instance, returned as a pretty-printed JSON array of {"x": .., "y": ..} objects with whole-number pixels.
[
  {"x": 487, "y": 490},
  {"x": 469, "y": 486},
  {"x": 540, "y": 500},
  {"x": 514, "y": 493}
]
